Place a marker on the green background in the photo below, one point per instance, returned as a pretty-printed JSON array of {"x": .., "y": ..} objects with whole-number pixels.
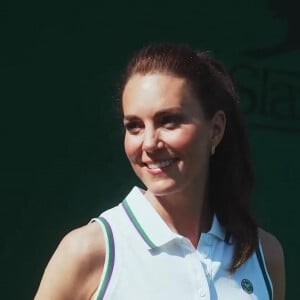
[{"x": 62, "y": 159}]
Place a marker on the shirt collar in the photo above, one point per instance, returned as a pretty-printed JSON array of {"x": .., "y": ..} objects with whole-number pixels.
[
  {"x": 149, "y": 224},
  {"x": 219, "y": 231}
]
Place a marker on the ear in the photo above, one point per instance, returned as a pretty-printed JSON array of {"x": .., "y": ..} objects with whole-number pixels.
[{"x": 218, "y": 123}]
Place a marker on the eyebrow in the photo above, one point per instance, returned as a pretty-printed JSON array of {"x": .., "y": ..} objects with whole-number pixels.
[{"x": 173, "y": 110}]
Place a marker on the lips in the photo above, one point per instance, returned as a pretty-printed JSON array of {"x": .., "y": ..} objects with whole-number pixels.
[{"x": 159, "y": 164}]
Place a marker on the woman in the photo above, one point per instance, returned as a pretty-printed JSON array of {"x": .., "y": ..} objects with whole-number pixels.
[{"x": 190, "y": 234}]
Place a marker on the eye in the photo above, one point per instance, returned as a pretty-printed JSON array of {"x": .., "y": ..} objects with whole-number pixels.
[
  {"x": 133, "y": 127},
  {"x": 171, "y": 121}
]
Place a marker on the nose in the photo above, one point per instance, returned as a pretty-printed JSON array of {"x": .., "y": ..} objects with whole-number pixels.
[{"x": 151, "y": 141}]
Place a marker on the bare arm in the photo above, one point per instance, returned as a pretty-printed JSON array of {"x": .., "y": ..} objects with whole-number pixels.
[
  {"x": 75, "y": 269},
  {"x": 274, "y": 258}
]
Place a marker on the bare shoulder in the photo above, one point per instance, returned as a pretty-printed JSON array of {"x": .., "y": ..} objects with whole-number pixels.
[
  {"x": 75, "y": 268},
  {"x": 274, "y": 258}
]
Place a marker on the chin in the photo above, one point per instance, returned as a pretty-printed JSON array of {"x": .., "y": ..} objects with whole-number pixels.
[{"x": 162, "y": 188}]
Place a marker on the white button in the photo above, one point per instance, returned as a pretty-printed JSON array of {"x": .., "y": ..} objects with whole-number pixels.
[{"x": 202, "y": 293}]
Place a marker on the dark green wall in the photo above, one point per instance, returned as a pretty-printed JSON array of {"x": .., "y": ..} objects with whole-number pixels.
[{"x": 62, "y": 160}]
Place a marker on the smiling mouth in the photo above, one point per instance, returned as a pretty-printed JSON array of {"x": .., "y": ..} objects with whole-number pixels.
[{"x": 161, "y": 164}]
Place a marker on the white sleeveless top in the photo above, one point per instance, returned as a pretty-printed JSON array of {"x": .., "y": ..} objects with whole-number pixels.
[{"x": 146, "y": 260}]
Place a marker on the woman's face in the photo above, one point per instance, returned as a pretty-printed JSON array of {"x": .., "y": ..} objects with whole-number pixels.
[{"x": 168, "y": 140}]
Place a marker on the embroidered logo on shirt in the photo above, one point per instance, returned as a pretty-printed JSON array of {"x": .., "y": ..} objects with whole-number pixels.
[{"x": 247, "y": 286}]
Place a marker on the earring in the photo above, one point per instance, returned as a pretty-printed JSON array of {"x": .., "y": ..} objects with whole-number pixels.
[{"x": 213, "y": 149}]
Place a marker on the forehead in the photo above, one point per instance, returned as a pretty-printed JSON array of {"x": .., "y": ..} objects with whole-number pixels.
[
  {"x": 157, "y": 91},
  {"x": 163, "y": 80}
]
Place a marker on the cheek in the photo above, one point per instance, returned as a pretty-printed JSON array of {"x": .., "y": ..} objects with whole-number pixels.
[
  {"x": 187, "y": 141},
  {"x": 193, "y": 147},
  {"x": 131, "y": 147}
]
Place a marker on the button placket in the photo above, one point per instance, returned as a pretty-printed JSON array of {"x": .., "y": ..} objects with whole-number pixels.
[
  {"x": 205, "y": 253},
  {"x": 201, "y": 280}
]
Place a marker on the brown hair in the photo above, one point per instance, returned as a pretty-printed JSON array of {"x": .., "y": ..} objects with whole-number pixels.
[{"x": 231, "y": 177}]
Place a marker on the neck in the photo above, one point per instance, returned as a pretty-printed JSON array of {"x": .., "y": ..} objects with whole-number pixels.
[{"x": 185, "y": 212}]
